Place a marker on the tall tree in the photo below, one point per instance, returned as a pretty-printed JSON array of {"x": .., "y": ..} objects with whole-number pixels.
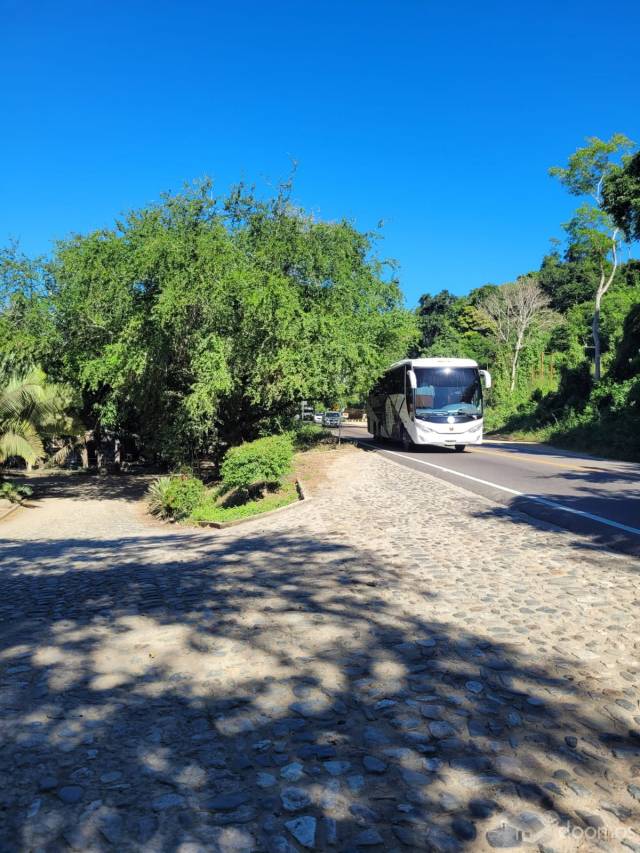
[
  {"x": 198, "y": 321},
  {"x": 514, "y": 312},
  {"x": 592, "y": 233}
]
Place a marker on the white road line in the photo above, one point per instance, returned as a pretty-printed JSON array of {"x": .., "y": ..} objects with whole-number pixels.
[{"x": 534, "y": 498}]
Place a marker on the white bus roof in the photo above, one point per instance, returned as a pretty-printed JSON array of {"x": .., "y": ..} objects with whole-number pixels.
[{"x": 435, "y": 362}]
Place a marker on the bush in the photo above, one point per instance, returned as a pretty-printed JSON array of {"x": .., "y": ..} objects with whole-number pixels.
[
  {"x": 265, "y": 460},
  {"x": 175, "y": 497},
  {"x": 14, "y": 494},
  {"x": 308, "y": 435}
]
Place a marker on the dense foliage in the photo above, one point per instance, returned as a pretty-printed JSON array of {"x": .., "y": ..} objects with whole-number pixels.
[
  {"x": 197, "y": 322},
  {"x": 175, "y": 497},
  {"x": 263, "y": 461}
]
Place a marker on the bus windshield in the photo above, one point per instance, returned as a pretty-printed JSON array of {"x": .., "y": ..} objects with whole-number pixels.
[{"x": 448, "y": 390}]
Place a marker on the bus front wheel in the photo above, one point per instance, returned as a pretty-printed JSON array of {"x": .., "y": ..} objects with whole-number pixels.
[{"x": 460, "y": 448}]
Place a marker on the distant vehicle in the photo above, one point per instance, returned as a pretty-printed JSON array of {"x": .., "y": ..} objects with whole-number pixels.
[
  {"x": 317, "y": 418},
  {"x": 307, "y": 413},
  {"x": 331, "y": 419},
  {"x": 429, "y": 401}
]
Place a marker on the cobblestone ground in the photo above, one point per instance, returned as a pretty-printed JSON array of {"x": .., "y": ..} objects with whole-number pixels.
[{"x": 395, "y": 665}]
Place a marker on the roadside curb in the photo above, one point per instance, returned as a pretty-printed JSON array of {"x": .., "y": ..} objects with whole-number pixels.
[
  {"x": 7, "y": 512},
  {"x": 303, "y": 497}
]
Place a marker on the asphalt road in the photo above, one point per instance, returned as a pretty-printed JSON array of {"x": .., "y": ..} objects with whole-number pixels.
[{"x": 596, "y": 497}]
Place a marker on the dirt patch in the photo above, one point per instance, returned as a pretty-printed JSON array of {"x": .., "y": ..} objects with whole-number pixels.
[{"x": 314, "y": 466}]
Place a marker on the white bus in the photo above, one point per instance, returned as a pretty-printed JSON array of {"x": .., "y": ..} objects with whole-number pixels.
[{"x": 429, "y": 401}]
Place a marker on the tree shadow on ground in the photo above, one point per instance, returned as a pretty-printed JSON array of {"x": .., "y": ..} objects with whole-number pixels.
[
  {"x": 274, "y": 693},
  {"x": 78, "y": 486}
]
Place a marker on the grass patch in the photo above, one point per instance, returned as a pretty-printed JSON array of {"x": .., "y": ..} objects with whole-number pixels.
[{"x": 213, "y": 508}]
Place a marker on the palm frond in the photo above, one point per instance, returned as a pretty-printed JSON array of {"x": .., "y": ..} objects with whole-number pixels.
[{"x": 21, "y": 441}]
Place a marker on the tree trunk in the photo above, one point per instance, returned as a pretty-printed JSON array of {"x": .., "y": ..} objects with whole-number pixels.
[
  {"x": 605, "y": 284},
  {"x": 514, "y": 362},
  {"x": 595, "y": 331}
]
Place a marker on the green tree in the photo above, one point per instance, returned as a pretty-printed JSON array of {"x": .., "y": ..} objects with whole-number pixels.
[
  {"x": 199, "y": 321},
  {"x": 591, "y": 232}
]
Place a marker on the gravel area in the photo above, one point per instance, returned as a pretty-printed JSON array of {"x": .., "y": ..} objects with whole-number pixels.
[{"x": 395, "y": 665}]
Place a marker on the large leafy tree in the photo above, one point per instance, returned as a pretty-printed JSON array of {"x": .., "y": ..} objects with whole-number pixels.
[
  {"x": 593, "y": 236},
  {"x": 198, "y": 320}
]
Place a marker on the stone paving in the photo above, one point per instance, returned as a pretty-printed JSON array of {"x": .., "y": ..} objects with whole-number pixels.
[{"x": 395, "y": 665}]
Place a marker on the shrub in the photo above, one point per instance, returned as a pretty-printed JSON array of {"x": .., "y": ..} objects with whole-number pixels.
[
  {"x": 175, "y": 497},
  {"x": 14, "y": 494},
  {"x": 308, "y": 435},
  {"x": 265, "y": 460}
]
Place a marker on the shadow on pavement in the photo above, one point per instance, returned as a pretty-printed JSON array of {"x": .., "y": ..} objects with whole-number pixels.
[{"x": 273, "y": 693}]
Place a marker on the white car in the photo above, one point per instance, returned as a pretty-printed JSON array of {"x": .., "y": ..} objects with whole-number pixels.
[
  {"x": 331, "y": 419},
  {"x": 317, "y": 418}
]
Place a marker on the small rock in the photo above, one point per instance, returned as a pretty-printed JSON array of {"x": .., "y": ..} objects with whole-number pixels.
[
  {"x": 593, "y": 820},
  {"x": 294, "y": 799},
  {"x": 634, "y": 790},
  {"x": 504, "y": 836},
  {"x": 166, "y": 801},
  {"x": 441, "y": 729},
  {"x": 303, "y": 830},
  {"x": 112, "y": 826},
  {"x": 48, "y": 783},
  {"x": 414, "y": 777},
  {"x": 70, "y": 794},
  {"x": 330, "y": 830},
  {"x": 265, "y": 780},
  {"x": 474, "y": 686},
  {"x": 364, "y": 812},
  {"x": 374, "y": 737},
  {"x": 621, "y": 812},
  {"x": 292, "y": 772},
  {"x": 373, "y": 764},
  {"x": 106, "y": 778},
  {"x": 225, "y": 802},
  {"x": 530, "y": 821},
  {"x": 355, "y": 783},
  {"x": 571, "y": 741},
  {"x": 368, "y": 838},
  {"x": 316, "y": 750},
  {"x": 146, "y": 828},
  {"x": 279, "y": 844},
  {"x": 431, "y": 712},
  {"x": 336, "y": 768},
  {"x": 464, "y": 829},
  {"x": 441, "y": 842}
]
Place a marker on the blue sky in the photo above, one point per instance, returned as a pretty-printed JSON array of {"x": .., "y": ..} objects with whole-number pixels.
[{"x": 440, "y": 119}]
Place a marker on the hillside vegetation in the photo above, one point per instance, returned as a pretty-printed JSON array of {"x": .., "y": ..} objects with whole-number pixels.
[{"x": 563, "y": 341}]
